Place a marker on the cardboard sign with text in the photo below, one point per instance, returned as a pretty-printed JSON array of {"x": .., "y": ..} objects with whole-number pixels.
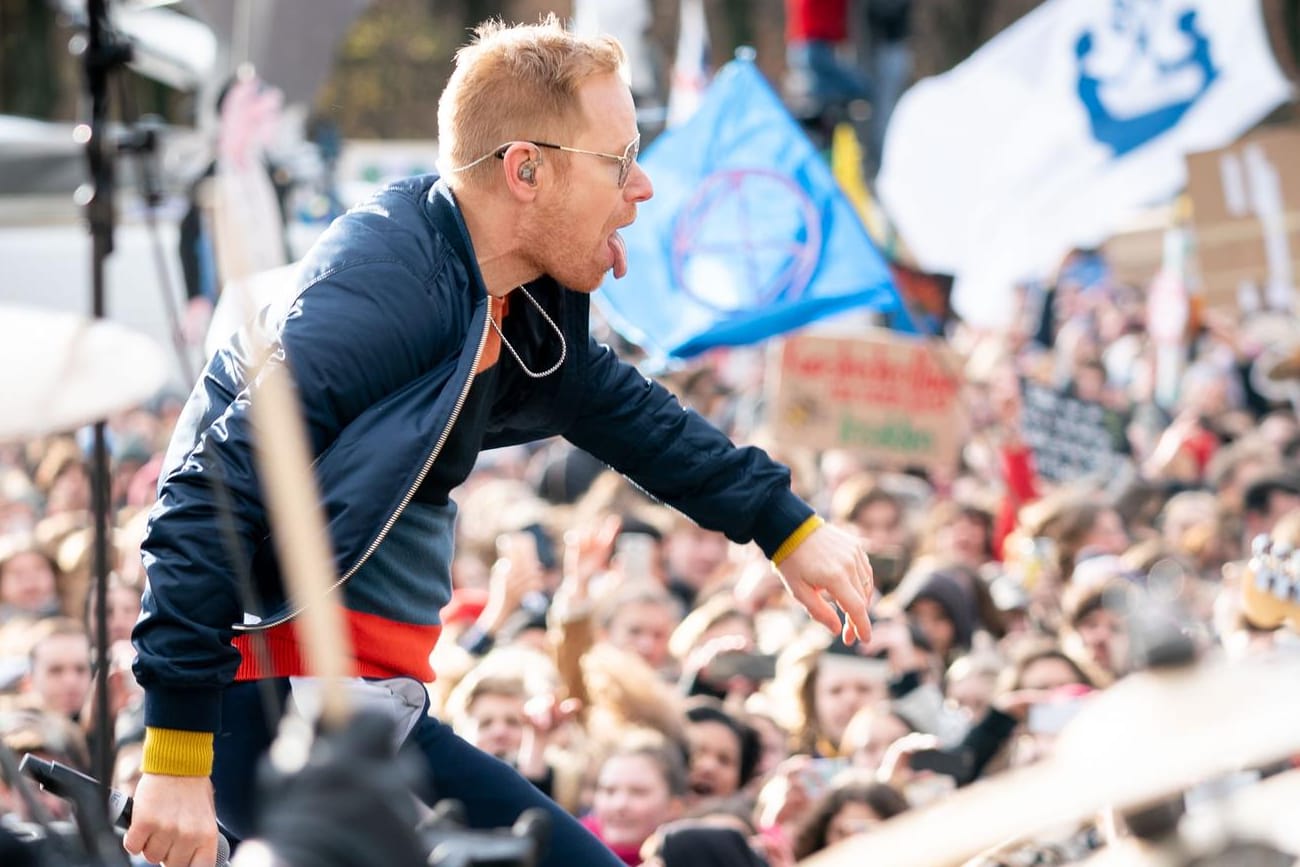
[
  {"x": 1246, "y": 212},
  {"x": 1135, "y": 253},
  {"x": 1070, "y": 438},
  {"x": 893, "y": 398}
]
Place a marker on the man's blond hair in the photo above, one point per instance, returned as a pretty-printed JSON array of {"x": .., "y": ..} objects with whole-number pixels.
[{"x": 515, "y": 83}]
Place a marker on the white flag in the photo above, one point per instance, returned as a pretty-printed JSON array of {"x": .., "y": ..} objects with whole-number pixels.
[
  {"x": 691, "y": 66},
  {"x": 628, "y": 21},
  {"x": 1061, "y": 128}
]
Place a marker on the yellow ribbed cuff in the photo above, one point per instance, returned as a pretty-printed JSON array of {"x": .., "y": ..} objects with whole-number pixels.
[
  {"x": 177, "y": 753},
  {"x": 795, "y": 539}
]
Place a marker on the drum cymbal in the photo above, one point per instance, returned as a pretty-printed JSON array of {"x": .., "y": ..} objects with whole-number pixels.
[
  {"x": 1150, "y": 736},
  {"x": 59, "y": 370}
]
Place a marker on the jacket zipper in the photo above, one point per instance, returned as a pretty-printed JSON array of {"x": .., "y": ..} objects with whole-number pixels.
[{"x": 410, "y": 494}]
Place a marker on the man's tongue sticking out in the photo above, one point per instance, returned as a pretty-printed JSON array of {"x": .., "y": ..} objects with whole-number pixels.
[{"x": 619, "y": 251}]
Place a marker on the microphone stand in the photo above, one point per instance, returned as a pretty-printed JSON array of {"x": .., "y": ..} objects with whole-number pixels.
[{"x": 102, "y": 51}]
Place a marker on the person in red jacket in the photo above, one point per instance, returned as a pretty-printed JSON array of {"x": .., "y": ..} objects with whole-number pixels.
[{"x": 817, "y": 79}]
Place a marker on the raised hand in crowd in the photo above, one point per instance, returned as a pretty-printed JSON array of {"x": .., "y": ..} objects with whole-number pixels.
[
  {"x": 1009, "y": 407},
  {"x": 1017, "y": 702},
  {"x": 786, "y": 797},
  {"x": 588, "y": 550},
  {"x": 893, "y": 638},
  {"x": 706, "y": 663},
  {"x": 516, "y": 573},
  {"x": 919, "y": 786},
  {"x": 544, "y": 717},
  {"x": 1170, "y": 458},
  {"x": 122, "y": 686},
  {"x": 758, "y": 583}
]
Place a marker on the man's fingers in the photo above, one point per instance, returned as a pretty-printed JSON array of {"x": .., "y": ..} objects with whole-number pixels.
[
  {"x": 198, "y": 849},
  {"x": 853, "y": 601},
  {"x": 137, "y": 836},
  {"x": 177, "y": 850},
  {"x": 867, "y": 575},
  {"x": 816, "y": 606},
  {"x": 155, "y": 849},
  {"x": 205, "y": 855},
  {"x": 182, "y": 855},
  {"x": 861, "y": 619}
]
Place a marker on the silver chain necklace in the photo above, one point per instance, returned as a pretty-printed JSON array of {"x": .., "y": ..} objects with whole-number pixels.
[{"x": 549, "y": 321}]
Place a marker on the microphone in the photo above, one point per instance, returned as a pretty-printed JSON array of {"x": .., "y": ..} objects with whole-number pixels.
[{"x": 68, "y": 783}]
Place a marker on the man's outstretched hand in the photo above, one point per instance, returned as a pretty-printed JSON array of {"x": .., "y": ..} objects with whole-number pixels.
[{"x": 834, "y": 563}]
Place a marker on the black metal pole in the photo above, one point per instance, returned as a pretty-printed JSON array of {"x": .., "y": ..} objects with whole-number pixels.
[{"x": 103, "y": 52}]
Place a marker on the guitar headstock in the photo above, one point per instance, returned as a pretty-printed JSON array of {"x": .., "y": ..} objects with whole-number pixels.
[{"x": 1270, "y": 587}]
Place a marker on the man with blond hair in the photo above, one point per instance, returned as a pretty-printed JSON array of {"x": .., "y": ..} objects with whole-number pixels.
[{"x": 445, "y": 316}]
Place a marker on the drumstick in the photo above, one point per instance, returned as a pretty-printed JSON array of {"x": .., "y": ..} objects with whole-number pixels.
[{"x": 281, "y": 445}]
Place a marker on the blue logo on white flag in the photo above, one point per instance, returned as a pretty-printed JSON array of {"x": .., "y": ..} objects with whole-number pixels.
[
  {"x": 1138, "y": 77},
  {"x": 748, "y": 234}
]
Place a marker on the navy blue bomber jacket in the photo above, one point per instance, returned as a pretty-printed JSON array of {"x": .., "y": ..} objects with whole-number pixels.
[{"x": 381, "y": 340}]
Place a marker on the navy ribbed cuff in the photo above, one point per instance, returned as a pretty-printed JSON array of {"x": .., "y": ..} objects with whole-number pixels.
[{"x": 781, "y": 515}]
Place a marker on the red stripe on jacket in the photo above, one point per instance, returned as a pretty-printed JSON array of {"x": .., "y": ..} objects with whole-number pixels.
[{"x": 380, "y": 647}]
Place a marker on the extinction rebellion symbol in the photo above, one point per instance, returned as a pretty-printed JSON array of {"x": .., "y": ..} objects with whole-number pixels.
[{"x": 746, "y": 239}]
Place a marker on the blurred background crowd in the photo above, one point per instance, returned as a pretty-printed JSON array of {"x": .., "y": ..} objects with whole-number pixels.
[{"x": 654, "y": 678}]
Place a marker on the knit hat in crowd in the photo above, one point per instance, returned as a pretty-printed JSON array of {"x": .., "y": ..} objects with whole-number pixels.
[{"x": 955, "y": 601}]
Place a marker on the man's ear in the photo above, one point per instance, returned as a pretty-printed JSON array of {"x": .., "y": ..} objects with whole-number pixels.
[{"x": 522, "y": 164}]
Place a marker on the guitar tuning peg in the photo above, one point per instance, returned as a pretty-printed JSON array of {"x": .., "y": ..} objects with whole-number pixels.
[
  {"x": 1259, "y": 546},
  {"x": 1281, "y": 550},
  {"x": 1293, "y": 566}
]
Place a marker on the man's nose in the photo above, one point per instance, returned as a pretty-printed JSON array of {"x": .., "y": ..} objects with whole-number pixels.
[{"x": 638, "y": 188}]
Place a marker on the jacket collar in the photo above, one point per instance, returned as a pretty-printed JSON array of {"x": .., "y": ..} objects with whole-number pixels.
[{"x": 446, "y": 216}]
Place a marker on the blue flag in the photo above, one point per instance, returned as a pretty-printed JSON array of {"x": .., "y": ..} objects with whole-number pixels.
[{"x": 748, "y": 234}]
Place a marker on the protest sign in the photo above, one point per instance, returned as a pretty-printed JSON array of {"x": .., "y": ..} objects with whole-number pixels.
[
  {"x": 1246, "y": 212},
  {"x": 894, "y": 398},
  {"x": 1137, "y": 251},
  {"x": 1070, "y": 438}
]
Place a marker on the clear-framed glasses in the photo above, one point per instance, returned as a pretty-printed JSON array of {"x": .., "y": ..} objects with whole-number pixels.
[{"x": 625, "y": 162}]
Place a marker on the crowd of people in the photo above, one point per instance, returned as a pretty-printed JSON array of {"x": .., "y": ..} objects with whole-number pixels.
[{"x": 654, "y": 679}]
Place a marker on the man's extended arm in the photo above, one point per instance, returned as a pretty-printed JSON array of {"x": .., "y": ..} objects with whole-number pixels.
[{"x": 640, "y": 429}]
